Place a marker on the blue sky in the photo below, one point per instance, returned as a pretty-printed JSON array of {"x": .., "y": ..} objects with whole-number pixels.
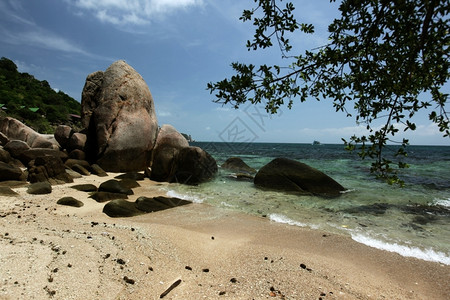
[{"x": 178, "y": 46}]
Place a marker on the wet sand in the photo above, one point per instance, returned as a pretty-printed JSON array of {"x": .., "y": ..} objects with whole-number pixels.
[{"x": 53, "y": 251}]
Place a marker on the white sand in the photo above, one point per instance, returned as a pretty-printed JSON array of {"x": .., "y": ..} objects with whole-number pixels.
[{"x": 52, "y": 251}]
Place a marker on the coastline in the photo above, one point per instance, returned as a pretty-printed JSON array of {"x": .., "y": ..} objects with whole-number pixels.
[{"x": 48, "y": 250}]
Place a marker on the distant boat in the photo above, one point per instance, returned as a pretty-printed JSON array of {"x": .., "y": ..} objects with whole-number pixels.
[{"x": 316, "y": 143}]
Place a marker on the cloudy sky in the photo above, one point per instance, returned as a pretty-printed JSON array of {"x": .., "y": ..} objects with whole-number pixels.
[{"x": 178, "y": 46}]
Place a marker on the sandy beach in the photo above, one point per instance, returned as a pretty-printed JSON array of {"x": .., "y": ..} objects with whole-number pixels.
[{"x": 60, "y": 252}]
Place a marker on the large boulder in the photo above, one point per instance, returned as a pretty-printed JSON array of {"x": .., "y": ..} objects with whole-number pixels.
[
  {"x": 292, "y": 176},
  {"x": 193, "y": 165},
  {"x": 168, "y": 143},
  {"x": 16, "y": 130},
  {"x": 119, "y": 114}
]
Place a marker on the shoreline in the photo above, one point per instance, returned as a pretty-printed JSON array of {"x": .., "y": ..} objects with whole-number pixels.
[{"x": 48, "y": 250}]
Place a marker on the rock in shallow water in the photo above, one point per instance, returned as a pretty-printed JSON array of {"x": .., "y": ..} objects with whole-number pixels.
[{"x": 292, "y": 176}]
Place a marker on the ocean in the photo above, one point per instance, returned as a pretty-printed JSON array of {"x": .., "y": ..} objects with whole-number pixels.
[{"x": 412, "y": 221}]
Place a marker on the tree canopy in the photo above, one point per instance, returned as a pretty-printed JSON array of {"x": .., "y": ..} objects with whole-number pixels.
[
  {"x": 384, "y": 60},
  {"x": 33, "y": 101}
]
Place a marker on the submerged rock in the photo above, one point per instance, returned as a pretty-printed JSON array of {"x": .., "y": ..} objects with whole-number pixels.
[
  {"x": 237, "y": 165},
  {"x": 292, "y": 176}
]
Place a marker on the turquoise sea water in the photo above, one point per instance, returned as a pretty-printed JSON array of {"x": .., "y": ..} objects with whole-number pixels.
[{"x": 413, "y": 221}]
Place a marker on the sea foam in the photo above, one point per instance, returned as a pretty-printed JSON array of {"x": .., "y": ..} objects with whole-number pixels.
[
  {"x": 285, "y": 220},
  {"x": 442, "y": 202},
  {"x": 174, "y": 194},
  {"x": 428, "y": 254}
]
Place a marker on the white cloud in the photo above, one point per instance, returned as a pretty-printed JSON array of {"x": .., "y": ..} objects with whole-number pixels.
[
  {"x": 132, "y": 12},
  {"x": 164, "y": 114}
]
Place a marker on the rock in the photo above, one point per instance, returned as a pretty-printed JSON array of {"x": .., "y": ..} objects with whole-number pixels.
[
  {"x": 131, "y": 175},
  {"x": 77, "y": 141},
  {"x": 236, "y": 164},
  {"x": 16, "y": 147},
  {"x": 40, "y": 188},
  {"x": 3, "y": 139},
  {"x": 16, "y": 130},
  {"x": 121, "y": 208},
  {"x": 148, "y": 205},
  {"x": 77, "y": 154},
  {"x": 70, "y": 201},
  {"x": 71, "y": 162},
  {"x": 129, "y": 183},
  {"x": 97, "y": 170},
  {"x": 292, "y": 176},
  {"x": 46, "y": 168},
  {"x": 242, "y": 176},
  {"x": 193, "y": 165},
  {"x": 13, "y": 183},
  {"x": 119, "y": 114},
  {"x": 7, "y": 192},
  {"x": 88, "y": 187},
  {"x": 62, "y": 135},
  {"x": 80, "y": 169},
  {"x": 168, "y": 144},
  {"x": 73, "y": 174},
  {"x": 9, "y": 172},
  {"x": 107, "y": 196},
  {"x": 114, "y": 186},
  {"x": 5, "y": 156},
  {"x": 26, "y": 156}
]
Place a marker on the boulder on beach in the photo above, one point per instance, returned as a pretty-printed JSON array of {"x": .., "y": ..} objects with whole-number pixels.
[
  {"x": 193, "y": 165},
  {"x": 28, "y": 155},
  {"x": 168, "y": 143},
  {"x": 40, "y": 188},
  {"x": 154, "y": 204},
  {"x": 10, "y": 172},
  {"x": 107, "y": 196},
  {"x": 7, "y": 192},
  {"x": 292, "y": 176},
  {"x": 70, "y": 201},
  {"x": 62, "y": 135},
  {"x": 16, "y": 130},
  {"x": 48, "y": 168},
  {"x": 131, "y": 175},
  {"x": 87, "y": 187},
  {"x": 121, "y": 208},
  {"x": 119, "y": 115},
  {"x": 114, "y": 186}
]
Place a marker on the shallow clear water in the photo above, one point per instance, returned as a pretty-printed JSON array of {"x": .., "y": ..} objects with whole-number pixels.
[{"x": 413, "y": 221}]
